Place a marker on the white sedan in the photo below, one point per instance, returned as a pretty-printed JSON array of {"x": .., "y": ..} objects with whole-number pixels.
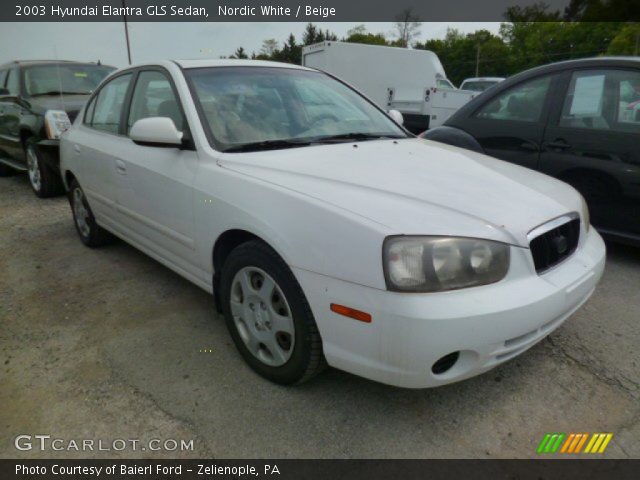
[{"x": 326, "y": 232}]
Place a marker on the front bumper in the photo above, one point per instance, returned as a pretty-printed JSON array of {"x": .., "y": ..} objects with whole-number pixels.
[{"x": 488, "y": 325}]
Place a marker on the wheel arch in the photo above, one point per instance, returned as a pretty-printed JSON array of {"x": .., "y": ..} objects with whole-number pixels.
[
  {"x": 575, "y": 173},
  {"x": 453, "y": 136},
  {"x": 224, "y": 244}
]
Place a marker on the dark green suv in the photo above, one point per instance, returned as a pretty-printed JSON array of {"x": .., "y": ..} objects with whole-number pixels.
[{"x": 38, "y": 101}]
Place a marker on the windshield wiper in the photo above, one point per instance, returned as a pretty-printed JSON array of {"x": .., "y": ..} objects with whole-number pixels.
[
  {"x": 51, "y": 93},
  {"x": 268, "y": 145},
  {"x": 358, "y": 136}
]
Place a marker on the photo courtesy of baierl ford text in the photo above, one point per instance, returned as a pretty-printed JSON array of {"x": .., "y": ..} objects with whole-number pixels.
[{"x": 330, "y": 240}]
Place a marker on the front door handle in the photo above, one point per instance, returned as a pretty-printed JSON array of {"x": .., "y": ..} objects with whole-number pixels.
[
  {"x": 529, "y": 146},
  {"x": 121, "y": 168},
  {"x": 558, "y": 145}
]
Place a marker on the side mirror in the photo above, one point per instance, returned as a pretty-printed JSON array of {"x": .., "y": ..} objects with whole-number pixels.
[
  {"x": 3, "y": 92},
  {"x": 396, "y": 116},
  {"x": 156, "y": 132}
]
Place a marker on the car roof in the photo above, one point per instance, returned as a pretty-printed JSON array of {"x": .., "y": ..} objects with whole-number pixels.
[
  {"x": 47, "y": 62},
  {"x": 483, "y": 79},
  {"x": 594, "y": 62},
  {"x": 204, "y": 63}
]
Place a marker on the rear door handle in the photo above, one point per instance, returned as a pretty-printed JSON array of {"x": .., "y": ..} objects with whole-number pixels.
[
  {"x": 76, "y": 148},
  {"x": 558, "y": 145},
  {"x": 121, "y": 168}
]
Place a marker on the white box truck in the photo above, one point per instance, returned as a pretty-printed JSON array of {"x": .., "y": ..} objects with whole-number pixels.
[{"x": 411, "y": 81}]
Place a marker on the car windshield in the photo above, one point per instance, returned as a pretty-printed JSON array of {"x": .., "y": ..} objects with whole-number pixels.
[
  {"x": 63, "y": 78},
  {"x": 253, "y": 108},
  {"x": 478, "y": 86}
]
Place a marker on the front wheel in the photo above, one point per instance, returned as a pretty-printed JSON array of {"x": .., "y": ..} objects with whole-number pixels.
[
  {"x": 268, "y": 315},
  {"x": 44, "y": 181},
  {"x": 91, "y": 234}
]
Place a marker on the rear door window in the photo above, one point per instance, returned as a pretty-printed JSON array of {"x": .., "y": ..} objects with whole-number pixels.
[{"x": 604, "y": 99}]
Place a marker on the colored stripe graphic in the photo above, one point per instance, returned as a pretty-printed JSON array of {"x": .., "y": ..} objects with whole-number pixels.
[
  {"x": 558, "y": 442},
  {"x": 550, "y": 443},
  {"x": 573, "y": 443},
  {"x": 605, "y": 442},
  {"x": 591, "y": 442},
  {"x": 576, "y": 439},
  {"x": 598, "y": 442},
  {"x": 543, "y": 443},
  {"x": 581, "y": 442},
  {"x": 567, "y": 443}
]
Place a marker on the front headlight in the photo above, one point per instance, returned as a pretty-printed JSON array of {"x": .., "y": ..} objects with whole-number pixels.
[
  {"x": 55, "y": 123},
  {"x": 585, "y": 214},
  {"x": 435, "y": 264}
]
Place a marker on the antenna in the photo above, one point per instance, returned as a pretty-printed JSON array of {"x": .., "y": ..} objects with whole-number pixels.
[{"x": 126, "y": 29}]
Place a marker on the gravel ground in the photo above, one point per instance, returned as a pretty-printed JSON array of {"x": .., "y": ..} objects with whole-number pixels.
[{"x": 108, "y": 344}]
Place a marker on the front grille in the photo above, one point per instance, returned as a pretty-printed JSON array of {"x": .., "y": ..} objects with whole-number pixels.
[{"x": 553, "y": 246}]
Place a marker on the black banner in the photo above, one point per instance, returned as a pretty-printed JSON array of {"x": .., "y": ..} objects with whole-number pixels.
[
  {"x": 320, "y": 469},
  {"x": 305, "y": 11}
]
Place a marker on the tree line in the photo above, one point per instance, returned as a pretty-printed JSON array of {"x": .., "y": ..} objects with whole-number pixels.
[{"x": 530, "y": 36}]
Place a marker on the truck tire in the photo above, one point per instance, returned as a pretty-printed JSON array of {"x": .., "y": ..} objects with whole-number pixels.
[{"x": 44, "y": 181}]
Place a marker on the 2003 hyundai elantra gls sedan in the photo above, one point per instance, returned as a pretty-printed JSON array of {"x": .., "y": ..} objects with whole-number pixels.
[{"x": 326, "y": 232}]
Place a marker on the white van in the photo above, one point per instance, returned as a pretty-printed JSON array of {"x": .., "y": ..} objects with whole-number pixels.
[{"x": 411, "y": 81}]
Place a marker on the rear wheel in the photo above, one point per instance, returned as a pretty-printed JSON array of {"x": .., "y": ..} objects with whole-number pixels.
[
  {"x": 44, "y": 181},
  {"x": 91, "y": 234},
  {"x": 268, "y": 315}
]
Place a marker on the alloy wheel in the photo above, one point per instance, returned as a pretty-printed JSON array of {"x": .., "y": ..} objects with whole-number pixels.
[{"x": 34, "y": 169}]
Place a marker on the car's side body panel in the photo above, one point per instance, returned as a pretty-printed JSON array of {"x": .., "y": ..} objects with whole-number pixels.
[{"x": 599, "y": 160}]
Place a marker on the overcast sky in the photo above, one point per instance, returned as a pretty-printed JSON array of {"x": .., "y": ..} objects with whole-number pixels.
[{"x": 156, "y": 41}]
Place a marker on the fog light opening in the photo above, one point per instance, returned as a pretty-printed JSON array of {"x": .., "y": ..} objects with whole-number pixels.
[{"x": 445, "y": 363}]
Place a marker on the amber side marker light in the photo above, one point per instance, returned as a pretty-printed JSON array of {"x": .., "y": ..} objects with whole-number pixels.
[{"x": 351, "y": 313}]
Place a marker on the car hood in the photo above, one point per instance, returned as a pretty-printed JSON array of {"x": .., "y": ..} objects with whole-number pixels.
[
  {"x": 417, "y": 187},
  {"x": 68, "y": 103}
]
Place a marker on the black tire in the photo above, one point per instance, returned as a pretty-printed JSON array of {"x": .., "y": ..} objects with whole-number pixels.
[
  {"x": 91, "y": 234},
  {"x": 6, "y": 170},
  {"x": 45, "y": 182},
  {"x": 306, "y": 359}
]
